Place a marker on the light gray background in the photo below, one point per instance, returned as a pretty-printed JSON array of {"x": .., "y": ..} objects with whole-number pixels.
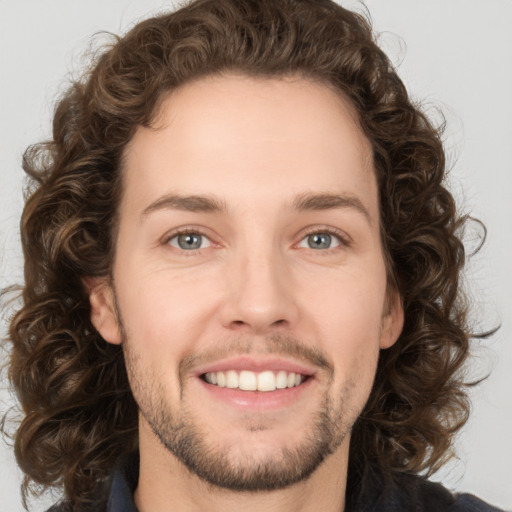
[{"x": 456, "y": 54}]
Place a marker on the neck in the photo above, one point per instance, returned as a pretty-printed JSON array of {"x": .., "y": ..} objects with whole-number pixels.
[{"x": 166, "y": 485}]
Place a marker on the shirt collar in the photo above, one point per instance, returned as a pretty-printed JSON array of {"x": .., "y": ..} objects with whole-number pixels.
[{"x": 124, "y": 483}]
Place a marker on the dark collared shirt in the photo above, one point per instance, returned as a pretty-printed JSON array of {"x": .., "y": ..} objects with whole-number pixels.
[{"x": 409, "y": 493}]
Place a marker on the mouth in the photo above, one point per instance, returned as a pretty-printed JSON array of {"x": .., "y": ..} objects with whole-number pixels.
[
  {"x": 258, "y": 383},
  {"x": 246, "y": 380}
]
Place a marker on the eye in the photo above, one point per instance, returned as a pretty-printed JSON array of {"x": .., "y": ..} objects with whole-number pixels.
[
  {"x": 189, "y": 241},
  {"x": 320, "y": 240}
]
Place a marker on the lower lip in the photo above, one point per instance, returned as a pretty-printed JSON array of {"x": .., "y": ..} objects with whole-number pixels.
[{"x": 258, "y": 400}]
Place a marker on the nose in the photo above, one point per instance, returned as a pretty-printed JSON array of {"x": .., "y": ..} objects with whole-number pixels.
[{"x": 260, "y": 295}]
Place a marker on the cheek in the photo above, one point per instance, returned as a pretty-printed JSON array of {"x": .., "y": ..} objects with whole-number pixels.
[
  {"x": 353, "y": 346},
  {"x": 162, "y": 323},
  {"x": 350, "y": 307},
  {"x": 347, "y": 318},
  {"x": 355, "y": 351},
  {"x": 163, "y": 312}
]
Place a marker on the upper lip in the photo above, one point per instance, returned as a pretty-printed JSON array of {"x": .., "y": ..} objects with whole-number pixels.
[{"x": 256, "y": 364}]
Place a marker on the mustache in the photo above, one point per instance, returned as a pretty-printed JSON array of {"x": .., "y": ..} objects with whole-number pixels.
[{"x": 276, "y": 344}]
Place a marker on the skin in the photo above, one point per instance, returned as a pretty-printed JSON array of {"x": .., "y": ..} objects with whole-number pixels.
[{"x": 256, "y": 292}]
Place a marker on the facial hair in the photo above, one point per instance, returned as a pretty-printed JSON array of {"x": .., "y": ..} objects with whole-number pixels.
[{"x": 180, "y": 434}]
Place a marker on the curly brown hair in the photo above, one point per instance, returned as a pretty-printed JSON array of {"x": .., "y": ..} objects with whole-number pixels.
[{"x": 79, "y": 414}]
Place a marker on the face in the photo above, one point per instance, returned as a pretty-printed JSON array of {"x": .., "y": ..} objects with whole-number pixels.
[{"x": 249, "y": 280}]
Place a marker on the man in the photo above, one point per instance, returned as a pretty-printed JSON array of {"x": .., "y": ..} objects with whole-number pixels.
[{"x": 241, "y": 275}]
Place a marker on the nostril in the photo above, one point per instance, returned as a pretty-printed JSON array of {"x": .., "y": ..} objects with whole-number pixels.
[{"x": 239, "y": 325}]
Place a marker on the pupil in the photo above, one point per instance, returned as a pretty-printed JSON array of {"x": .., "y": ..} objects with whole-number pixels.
[
  {"x": 189, "y": 241},
  {"x": 320, "y": 241}
]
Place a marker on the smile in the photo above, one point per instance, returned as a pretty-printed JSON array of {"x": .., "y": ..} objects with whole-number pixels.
[{"x": 246, "y": 380}]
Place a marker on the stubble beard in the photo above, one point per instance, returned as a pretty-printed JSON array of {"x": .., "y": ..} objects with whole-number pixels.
[
  {"x": 180, "y": 434},
  {"x": 282, "y": 468}
]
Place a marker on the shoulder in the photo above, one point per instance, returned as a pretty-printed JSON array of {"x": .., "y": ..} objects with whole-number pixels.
[
  {"x": 470, "y": 503},
  {"x": 430, "y": 496},
  {"x": 418, "y": 494}
]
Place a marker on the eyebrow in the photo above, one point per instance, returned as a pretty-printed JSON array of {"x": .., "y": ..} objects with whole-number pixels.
[
  {"x": 303, "y": 202},
  {"x": 313, "y": 202},
  {"x": 192, "y": 203}
]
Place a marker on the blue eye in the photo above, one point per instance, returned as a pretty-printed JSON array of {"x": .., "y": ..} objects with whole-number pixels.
[
  {"x": 189, "y": 241},
  {"x": 320, "y": 241}
]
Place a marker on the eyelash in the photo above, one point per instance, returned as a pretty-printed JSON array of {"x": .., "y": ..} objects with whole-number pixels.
[
  {"x": 344, "y": 240},
  {"x": 186, "y": 231}
]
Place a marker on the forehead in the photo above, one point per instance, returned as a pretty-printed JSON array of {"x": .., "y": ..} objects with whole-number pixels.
[{"x": 237, "y": 136}]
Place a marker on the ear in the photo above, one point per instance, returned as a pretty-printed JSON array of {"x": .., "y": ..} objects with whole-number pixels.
[
  {"x": 103, "y": 310},
  {"x": 393, "y": 320}
]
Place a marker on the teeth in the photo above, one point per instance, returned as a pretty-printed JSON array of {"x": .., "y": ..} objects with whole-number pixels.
[
  {"x": 281, "y": 380},
  {"x": 231, "y": 379},
  {"x": 252, "y": 381},
  {"x": 266, "y": 381},
  {"x": 247, "y": 381}
]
